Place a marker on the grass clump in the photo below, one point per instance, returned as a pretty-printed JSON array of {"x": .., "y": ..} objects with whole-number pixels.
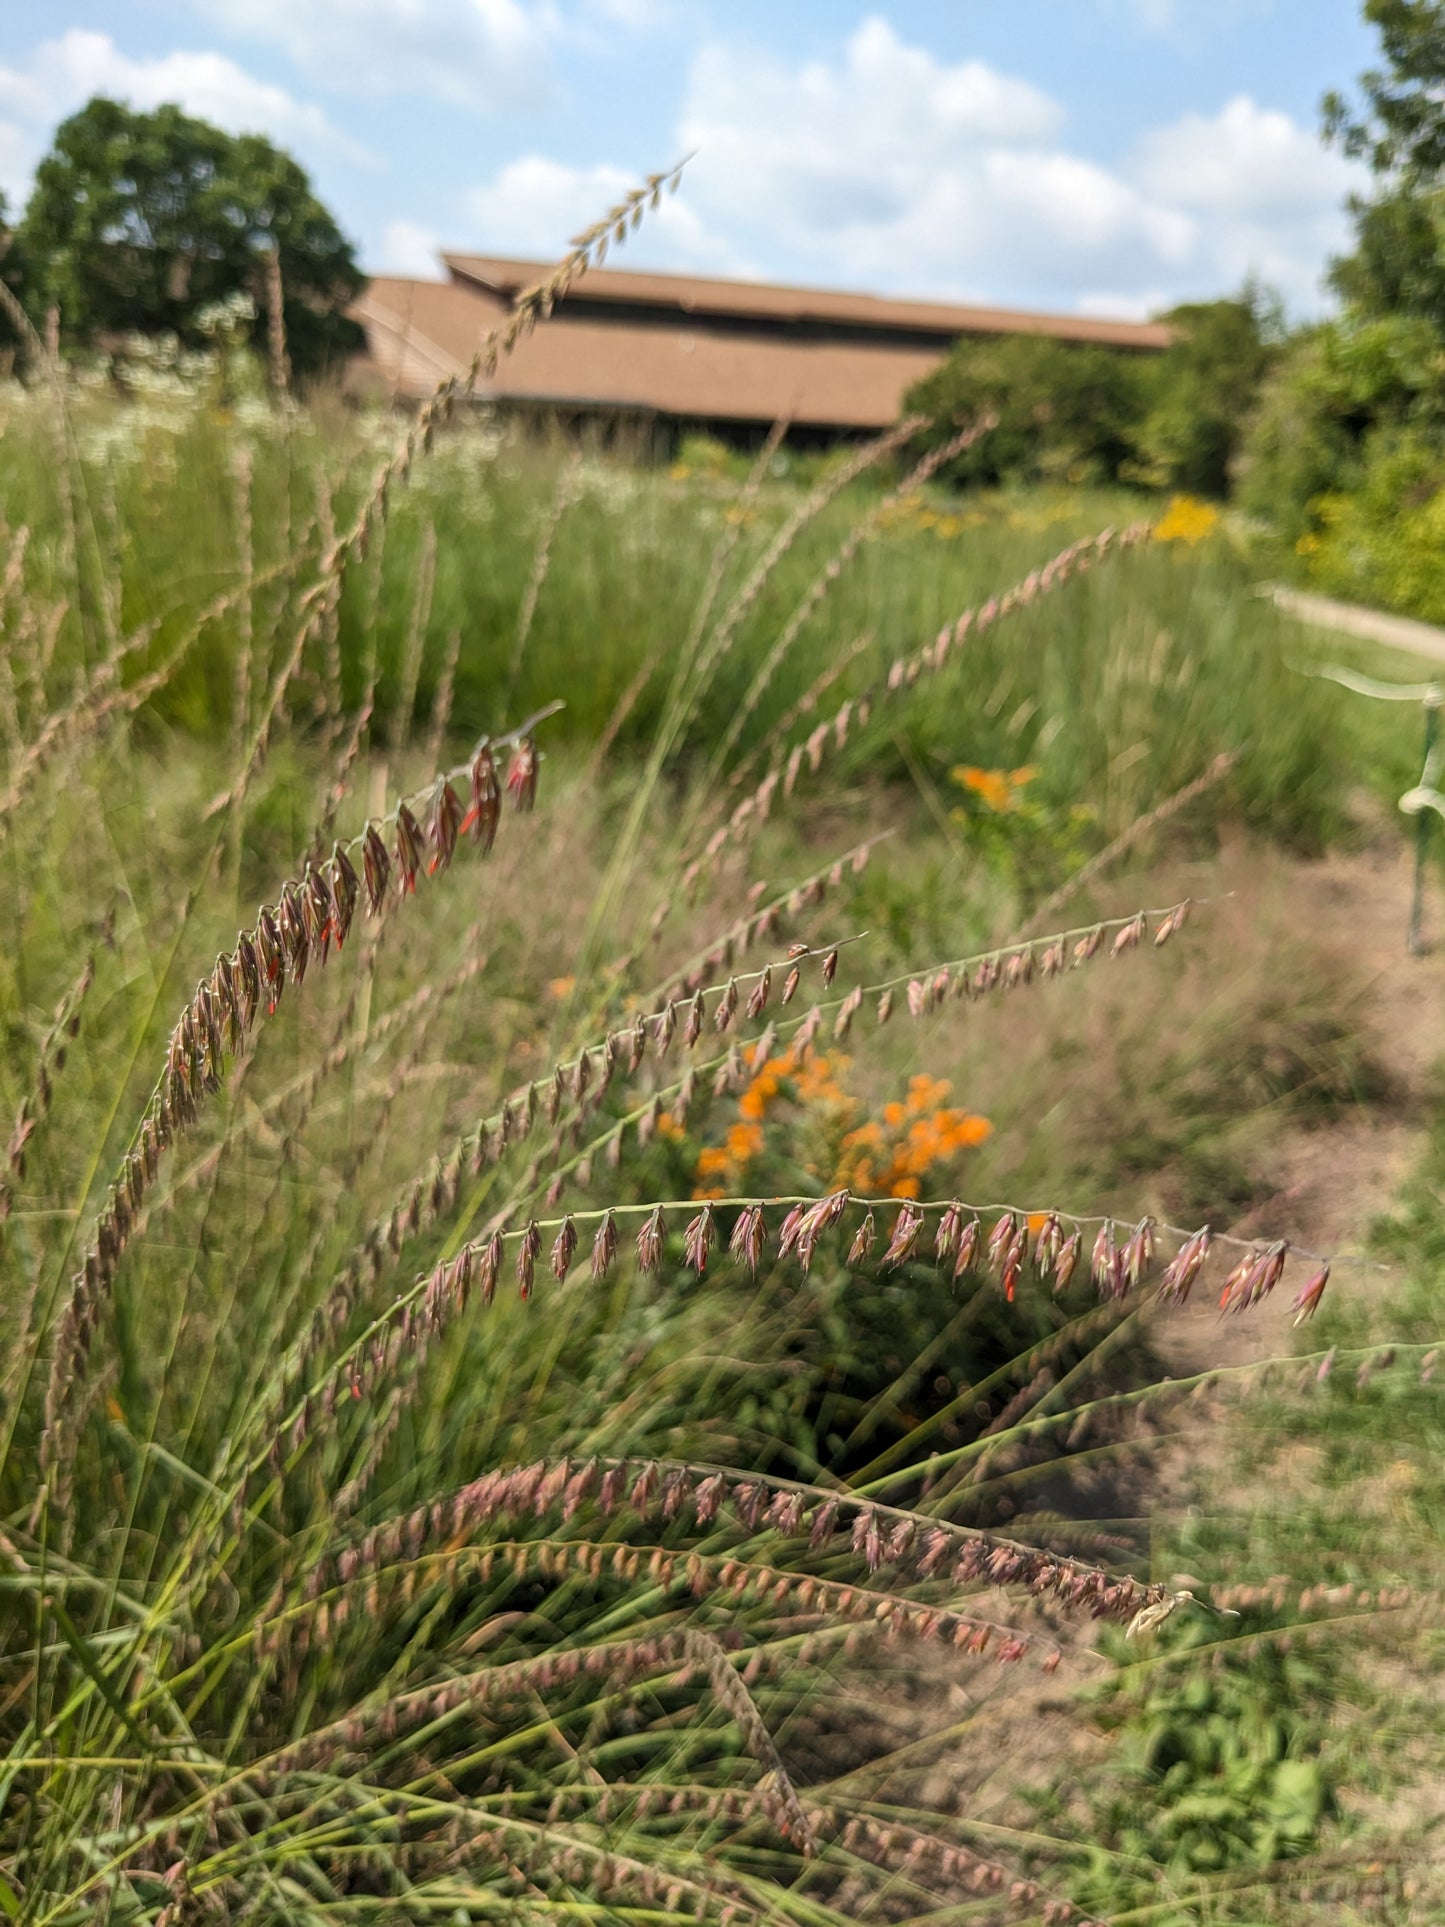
[{"x": 469, "y": 1448}]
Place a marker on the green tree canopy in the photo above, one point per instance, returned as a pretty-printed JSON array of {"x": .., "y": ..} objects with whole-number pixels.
[
  {"x": 1203, "y": 388},
  {"x": 139, "y": 220},
  {"x": 1067, "y": 411}
]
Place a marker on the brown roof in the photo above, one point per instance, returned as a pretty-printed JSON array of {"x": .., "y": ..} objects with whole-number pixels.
[
  {"x": 700, "y": 296},
  {"x": 698, "y": 350}
]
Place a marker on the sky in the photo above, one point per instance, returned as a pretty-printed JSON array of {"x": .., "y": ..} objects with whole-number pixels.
[{"x": 1106, "y": 157}]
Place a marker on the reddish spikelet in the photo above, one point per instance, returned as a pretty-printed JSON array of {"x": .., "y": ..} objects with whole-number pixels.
[
  {"x": 945, "y": 1241},
  {"x": 847, "y": 1011},
  {"x": 746, "y": 1243},
  {"x": 788, "y": 1230},
  {"x": 693, "y": 1028},
  {"x": 604, "y": 1248},
  {"x": 649, "y": 1240},
  {"x": 1138, "y": 1253},
  {"x": 375, "y": 867},
  {"x": 1051, "y": 964},
  {"x": 727, "y": 1005},
  {"x": 1048, "y": 1243},
  {"x": 1067, "y": 1260},
  {"x": 1000, "y": 1238},
  {"x": 1307, "y": 1302},
  {"x": 522, "y": 775},
  {"x": 917, "y": 998},
  {"x": 906, "y": 1227},
  {"x": 1129, "y": 937},
  {"x": 564, "y": 1249},
  {"x": 1087, "y": 946},
  {"x": 344, "y": 886},
  {"x": 1234, "y": 1285},
  {"x": 970, "y": 1238},
  {"x": 817, "y": 1219},
  {"x": 408, "y": 848},
  {"x": 697, "y": 1240},
  {"x": 489, "y": 1269},
  {"x": 861, "y": 1248},
  {"x": 485, "y": 809},
  {"x": 762, "y": 990},
  {"x": 830, "y": 968},
  {"x": 790, "y": 984},
  {"x": 1185, "y": 1267},
  {"x": 1013, "y": 1261},
  {"x": 527, "y": 1259},
  {"x": 1102, "y": 1266},
  {"x": 446, "y": 819}
]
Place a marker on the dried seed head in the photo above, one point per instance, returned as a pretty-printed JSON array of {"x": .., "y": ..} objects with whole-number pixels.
[
  {"x": 408, "y": 848},
  {"x": 375, "y": 867},
  {"x": 1185, "y": 1267},
  {"x": 906, "y": 1227},
  {"x": 945, "y": 1241},
  {"x": 522, "y": 774},
  {"x": 649, "y": 1240},
  {"x": 917, "y": 998},
  {"x": 489, "y": 1267},
  {"x": 970, "y": 1236},
  {"x": 345, "y": 888},
  {"x": 885, "y": 1007},
  {"x": 604, "y": 1247},
  {"x": 1088, "y": 946},
  {"x": 790, "y": 984},
  {"x": 486, "y": 804},
  {"x": 1001, "y": 1238},
  {"x": 692, "y": 1030},
  {"x": 1048, "y": 1243},
  {"x": 847, "y": 1010},
  {"x": 746, "y": 1242},
  {"x": 1101, "y": 1268},
  {"x": 564, "y": 1248},
  {"x": 861, "y": 1248},
  {"x": 446, "y": 820},
  {"x": 1067, "y": 1260},
  {"x": 1307, "y": 1302},
  {"x": 762, "y": 990},
  {"x": 727, "y": 1005},
  {"x": 697, "y": 1240},
  {"x": 830, "y": 968},
  {"x": 527, "y": 1258}
]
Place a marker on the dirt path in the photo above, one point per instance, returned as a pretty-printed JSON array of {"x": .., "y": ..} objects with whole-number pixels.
[
  {"x": 1329, "y": 1184},
  {"x": 1348, "y": 619}
]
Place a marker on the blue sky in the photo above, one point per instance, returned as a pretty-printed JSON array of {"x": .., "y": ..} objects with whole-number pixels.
[{"x": 1093, "y": 156}]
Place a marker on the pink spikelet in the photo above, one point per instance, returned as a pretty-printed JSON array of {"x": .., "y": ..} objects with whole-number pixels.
[{"x": 1307, "y": 1301}]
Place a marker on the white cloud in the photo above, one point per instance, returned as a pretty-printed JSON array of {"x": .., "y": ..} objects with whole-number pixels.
[
  {"x": 62, "y": 74},
  {"x": 534, "y": 206},
  {"x": 485, "y": 54},
  {"x": 409, "y": 248},
  {"x": 891, "y": 168}
]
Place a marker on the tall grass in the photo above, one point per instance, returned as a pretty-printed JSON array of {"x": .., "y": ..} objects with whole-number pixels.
[{"x": 427, "y": 1489}]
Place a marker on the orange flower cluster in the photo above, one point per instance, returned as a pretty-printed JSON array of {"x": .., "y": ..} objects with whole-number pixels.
[
  {"x": 814, "y": 1081},
  {"x": 887, "y": 1156},
  {"x": 998, "y": 788},
  {"x": 894, "y": 1154}
]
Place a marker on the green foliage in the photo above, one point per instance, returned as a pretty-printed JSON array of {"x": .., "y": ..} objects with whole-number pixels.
[
  {"x": 142, "y": 221},
  {"x": 1067, "y": 411},
  {"x": 1338, "y": 396},
  {"x": 1202, "y": 391},
  {"x": 1400, "y": 129},
  {"x": 1071, "y": 411},
  {"x": 1213, "y": 1765}
]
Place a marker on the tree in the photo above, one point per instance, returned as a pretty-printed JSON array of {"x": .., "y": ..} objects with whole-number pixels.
[
  {"x": 1203, "y": 389},
  {"x": 140, "y": 220},
  {"x": 1067, "y": 411},
  {"x": 1399, "y": 128},
  {"x": 12, "y": 273}
]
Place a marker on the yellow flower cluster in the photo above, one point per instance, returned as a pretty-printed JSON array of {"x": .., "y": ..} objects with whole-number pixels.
[
  {"x": 894, "y": 1154},
  {"x": 1186, "y": 519},
  {"x": 998, "y": 788},
  {"x": 912, "y": 512}
]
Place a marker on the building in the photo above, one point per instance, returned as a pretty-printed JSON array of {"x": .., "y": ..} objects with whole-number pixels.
[{"x": 677, "y": 350}]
